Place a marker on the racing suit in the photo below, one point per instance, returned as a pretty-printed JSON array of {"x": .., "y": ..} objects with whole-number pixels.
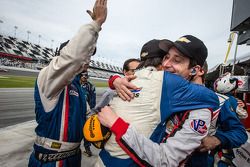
[
  {"x": 230, "y": 132},
  {"x": 89, "y": 88},
  {"x": 161, "y": 95},
  {"x": 60, "y": 103},
  {"x": 227, "y": 128},
  {"x": 90, "y": 94}
]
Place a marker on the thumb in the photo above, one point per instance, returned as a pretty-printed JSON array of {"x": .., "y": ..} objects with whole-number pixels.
[
  {"x": 90, "y": 13},
  {"x": 131, "y": 77},
  {"x": 132, "y": 86}
]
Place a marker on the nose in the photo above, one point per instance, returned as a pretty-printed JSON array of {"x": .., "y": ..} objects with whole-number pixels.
[{"x": 166, "y": 63}]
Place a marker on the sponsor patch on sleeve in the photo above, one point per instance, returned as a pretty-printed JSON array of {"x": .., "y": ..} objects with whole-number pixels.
[{"x": 199, "y": 126}]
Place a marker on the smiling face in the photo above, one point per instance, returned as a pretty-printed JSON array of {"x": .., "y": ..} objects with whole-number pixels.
[{"x": 175, "y": 62}]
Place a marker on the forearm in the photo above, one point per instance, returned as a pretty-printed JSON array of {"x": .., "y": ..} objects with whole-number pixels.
[
  {"x": 62, "y": 69},
  {"x": 143, "y": 151},
  {"x": 233, "y": 138},
  {"x": 231, "y": 132}
]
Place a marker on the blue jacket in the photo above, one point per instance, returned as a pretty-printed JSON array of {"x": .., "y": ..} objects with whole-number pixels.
[
  {"x": 230, "y": 131},
  {"x": 50, "y": 124},
  {"x": 90, "y": 94}
]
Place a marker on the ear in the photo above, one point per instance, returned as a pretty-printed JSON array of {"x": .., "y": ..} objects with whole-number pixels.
[
  {"x": 197, "y": 71},
  {"x": 200, "y": 71}
]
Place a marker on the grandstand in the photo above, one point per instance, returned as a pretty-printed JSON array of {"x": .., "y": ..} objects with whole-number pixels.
[{"x": 23, "y": 54}]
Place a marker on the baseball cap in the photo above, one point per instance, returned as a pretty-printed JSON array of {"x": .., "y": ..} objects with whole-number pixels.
[
  {"x": 192, "y": 47},
  {"x": 155, "y": 48}
]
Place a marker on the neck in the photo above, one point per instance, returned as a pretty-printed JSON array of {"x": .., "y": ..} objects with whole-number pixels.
[{"x": 197, "y": 80}]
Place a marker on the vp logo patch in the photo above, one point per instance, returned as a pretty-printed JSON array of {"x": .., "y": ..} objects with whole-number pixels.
[
  {"x": 199, "y": 126},
  {"x": 136, "y": 92}
]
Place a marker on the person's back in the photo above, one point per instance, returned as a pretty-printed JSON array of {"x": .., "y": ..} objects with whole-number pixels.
[{"x": 143, "y": 112}]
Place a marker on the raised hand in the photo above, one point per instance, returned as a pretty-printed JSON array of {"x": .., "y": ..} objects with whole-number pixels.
[{"x": 99, "y": 13}]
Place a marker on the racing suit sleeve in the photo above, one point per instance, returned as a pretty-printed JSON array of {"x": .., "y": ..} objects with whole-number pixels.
[
  {"x": 147, "y": 153},
  {"x": 230, "y": 130},
  {"x": 105, "y": 99},
  {"x": 62, "y": 69},
  {"x": 92, "y": 96}
]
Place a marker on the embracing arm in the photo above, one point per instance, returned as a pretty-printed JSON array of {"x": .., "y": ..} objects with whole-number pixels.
[
  {"x": 122, "y": 86},
  {"x": 147, "y": 153}
]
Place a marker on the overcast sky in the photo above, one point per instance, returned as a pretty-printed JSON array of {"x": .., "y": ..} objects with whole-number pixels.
[{"x": 129, "y": 25}]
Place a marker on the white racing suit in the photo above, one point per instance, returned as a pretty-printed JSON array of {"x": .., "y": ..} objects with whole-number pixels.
[
  {"x": 161, "y": 95},
  {"x": 60, "y": 103}
]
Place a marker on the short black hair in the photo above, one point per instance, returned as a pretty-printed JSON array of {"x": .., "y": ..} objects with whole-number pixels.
[
  {"x": 154, "y": 61},
  {"x": 126, "y": 63}
]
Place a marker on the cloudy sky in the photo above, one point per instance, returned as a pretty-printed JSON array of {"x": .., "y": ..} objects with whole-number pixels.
[{"x": 129, "y": 25}]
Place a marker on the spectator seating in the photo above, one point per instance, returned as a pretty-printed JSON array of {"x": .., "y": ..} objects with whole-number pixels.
[{"x": 23, "y": 54}]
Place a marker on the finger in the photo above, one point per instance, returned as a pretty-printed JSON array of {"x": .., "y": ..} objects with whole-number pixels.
[
  {"x": 122, "y": 97},
  {"x": 105, "y": 2},
  {"x": 128, "y": 92},
  {"x": 101, "y": 2},
  {"x": 131, "y": 77},
  {"x": 90, "y": 13},
  {"x": 132, "y": 86},
  {"x": 97, "y": 2},
  {"x": 124, "y": 94},
  {"x": 203, "y": 150},
  {"x": 125, "y": 90}
]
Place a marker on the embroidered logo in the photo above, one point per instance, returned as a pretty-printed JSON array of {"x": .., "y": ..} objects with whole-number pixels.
[
  {"x": 144, "y": 54},
  {"x": 73, "y": 92},
  {"x": 184, "y": 39},
  {"x": 199, "y": 126},
  {"x": 136, "y": 92}
]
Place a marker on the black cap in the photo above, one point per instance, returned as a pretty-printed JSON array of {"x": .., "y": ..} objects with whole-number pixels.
[
  {"x": 193, "y": 48},
  {"x": 155, "y": 48}
]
